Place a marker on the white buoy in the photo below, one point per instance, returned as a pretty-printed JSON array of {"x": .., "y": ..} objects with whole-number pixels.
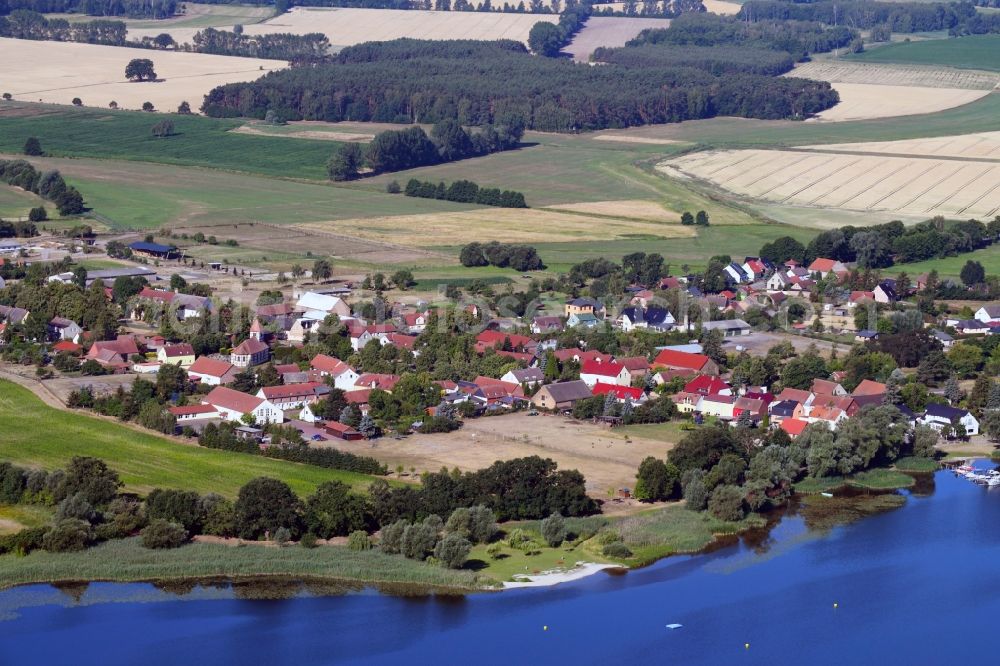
[{"x": 674, "y": 626}]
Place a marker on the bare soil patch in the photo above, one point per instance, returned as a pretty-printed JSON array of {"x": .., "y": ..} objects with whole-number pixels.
[
  {"x": 634, "y": 209},
  {"x": 607, "y": 460},
  {"x": 609, "y": 31}
]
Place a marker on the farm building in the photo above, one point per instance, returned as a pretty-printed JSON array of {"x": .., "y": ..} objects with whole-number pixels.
[{"x": 562, "y": 395}]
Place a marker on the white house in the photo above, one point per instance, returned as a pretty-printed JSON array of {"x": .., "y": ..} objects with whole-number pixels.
[
  {"x": 720, "y": 406},
  {"x": 606, "y": 372},
  {"x": 293, "y": 396},
  {"x": 939, "y": 416},
  {"x": 212, "y": 372},
  {"x": 61, "y": 328},
  {"x": 344, "y": 376},
  {"x": 234, "y": 405},
  {"x": 524, "y": 376},
  {"x": 778, "y": 282},
  {"x": 989, "y": 313}
]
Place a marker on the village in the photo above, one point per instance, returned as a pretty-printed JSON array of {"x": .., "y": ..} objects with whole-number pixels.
[{"x": 308, "y": 358}]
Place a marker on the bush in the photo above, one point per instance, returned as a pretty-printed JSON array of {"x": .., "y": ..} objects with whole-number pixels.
[
  {"x": 358, "y": 540},
  {"x": 616, "y": 549},
  {"x": 23, "y": 542},
  {"x": 495, "y": 551},
  {"x": 33, "y": 147},
  {"x": 66, "y": 536},
  {"x": 727, "y": 503},
  {"x": 554, "y": 529},
  {"x": 38, "y": 214},
  {"x": 393, "y": 187},
  {"x": 163, "y": 534},
  {"x": 452, "y": 551},
  {"x": 76, "y": 506},
  {"x": 308, "y": 540},
  {"x": 418, "y": 541},
  {"x": 392, "y": 537},
  {"x": 282, "y": 535},
  {"x": 605, "y": 537}
]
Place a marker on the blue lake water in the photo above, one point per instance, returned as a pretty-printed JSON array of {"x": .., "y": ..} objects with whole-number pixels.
[{"x": 917, "y": 585}]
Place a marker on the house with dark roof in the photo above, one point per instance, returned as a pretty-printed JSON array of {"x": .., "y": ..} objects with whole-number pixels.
[
  {"x": 61, "y": 328},
  {"x": 295, "y": 396},
  {"x": 546, "y": 324},
  {"x": 524, "y": 376},
  {"x": 583, "y": 305},
  {"x": 181, "y": 354},
  {"x": 988, "y": 313},
  {"x": 155, "y": 250},
  {"x": 729, "y": 328},
  {"x": 885, "y": 292},
  {"x": 651, "y": 318},
  {"x": 561, "y": 395},
  {"x": 941, "y": 416}
]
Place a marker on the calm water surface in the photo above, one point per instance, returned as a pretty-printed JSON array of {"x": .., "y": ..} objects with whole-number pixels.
[{"x": 918, "y": 585}]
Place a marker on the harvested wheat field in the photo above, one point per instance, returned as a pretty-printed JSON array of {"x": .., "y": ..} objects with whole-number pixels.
[
  {"x": 322, "y": 135},
  {"x": 609, "y": 31},
  {"x": 347, "y": 26},
  {"x": 532, "y": 225},
  {"x": 883, "y": 91},
  {"x": 912, "y": 186},
  {"x": 983, "y": 146},
  {"x": 61, "y": 71},
  {"x": 636, "y": 209},
  {"x": 722, "y": 7},
  {"x": 625, "y": 138},
  {"x": 862, "y": 101}
]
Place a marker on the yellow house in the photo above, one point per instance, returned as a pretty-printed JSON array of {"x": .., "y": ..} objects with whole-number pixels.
[
  {"x": 580, "y": 306},
  {"x": 181, "y": 354}
]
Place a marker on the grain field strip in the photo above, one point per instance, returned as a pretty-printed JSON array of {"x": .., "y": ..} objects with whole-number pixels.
[{"x": 837, "y": 171}]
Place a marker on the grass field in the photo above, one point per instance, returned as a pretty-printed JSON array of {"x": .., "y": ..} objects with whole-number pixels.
[
  {"x": 661, "y": 532},
  {"x": 40, "y": 436},
  {"x": 126, "y": 135},
  {"x": 989, "y": 257},
  {"x": 973, "y": 52},
  {"x": 15, "y": 202},
  {"x": 14, "y": 518},
  {"x": 126, "y": 560}
]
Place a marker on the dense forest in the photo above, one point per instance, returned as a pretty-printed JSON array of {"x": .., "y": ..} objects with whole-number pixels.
[
  {"x": 797, "y": 38},
  {"x": 155, "y": 9},
  {"x": 477, "y": 82},
  {"x": 897, "y": 16},
  {"x": 26, "y": 24},
  {"x": 717, "y": 60}
]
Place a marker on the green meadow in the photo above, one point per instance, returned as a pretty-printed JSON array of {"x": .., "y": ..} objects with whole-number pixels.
[
  {"x": 972, "y": 52},
  {"x": 36, "y": 435}
]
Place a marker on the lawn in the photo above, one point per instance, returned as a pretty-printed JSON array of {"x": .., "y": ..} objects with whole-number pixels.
[
  {"x": 13, "y": 518},
  {"x": 916, "y": 465},
  {"x": 989, "y": 257},
  {"x": 870, "y": 479},
  {"x": 36, "y": 435},
  {"x": 126, "y": 135},
  {"x": 126, "y": 560},
  {"x": 15, "y": 202},
  {"x": 669, "y": 432},
  {"x": 972, "y": 52}
]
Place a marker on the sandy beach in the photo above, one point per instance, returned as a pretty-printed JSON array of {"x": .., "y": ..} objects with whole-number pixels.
[{"x": 546, "y": 579}]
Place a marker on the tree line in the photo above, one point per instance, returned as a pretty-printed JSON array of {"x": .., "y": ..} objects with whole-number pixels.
[
  {"x": 717, "y": 60},
  {"x": 548, "y": 39},
  {"x": 29, "y": 24},
  {"x": 885, "y": 245},
  {"x": 465, "y": 191},
  {"x": 152, "y": 9},
  {"x": 797, "y": 38},
  {"x": 897, "y": 16},
  {"x": 503, "y": 255},
  {"x": 49, "y": 185},
  {"x": 479, "y": 83},
  {"x": 310, "y": 47},
  {"x": 396, "y": 150}
]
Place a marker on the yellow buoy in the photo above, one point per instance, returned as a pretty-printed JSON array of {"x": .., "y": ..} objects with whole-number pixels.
[
  {"x": 545, "y": 628},
  {"x": 746, "y": 646}
]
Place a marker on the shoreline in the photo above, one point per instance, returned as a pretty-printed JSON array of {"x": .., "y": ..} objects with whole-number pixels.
[{"x": 550, "y": 578}]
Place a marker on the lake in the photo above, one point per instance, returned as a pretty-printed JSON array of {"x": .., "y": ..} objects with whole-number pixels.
[{"x": 917, "y": 585}]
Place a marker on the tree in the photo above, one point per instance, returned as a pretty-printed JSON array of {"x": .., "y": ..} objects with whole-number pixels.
[
  {"x": 991, "y": 425},
  {"x": 965, "y": 358},
  {"x": 783, "y": 249},
  {"x": 452, "y": 551},
  {"x": 687, "y": 219},
  {"x": 703, "y": 448},
  {"x": 333, "y": 510},
  {"x": 553, "y": 529},
  {"x": 163, "y": 129},
  {"x": 695, "y": 493},
  {"x": 345, "y": 162},
  {"x": 418, "y": 540},
  {"x": 482, "y": 524},
  {"x": 952, "y": 391},
  {"x": 403, "y": 278},
  {"x": 148, "y": 107},
  {"x": 184, "y": 109},
  {"x": 264, "y": 505},
  {"x": 392, "y": 537},
  {"x": 701, "y": 218},
  {"x": 322, "y": 269},
  {"x": 367, "y": 427},
  {"x": 800, "y": 372},
  {"x": 925, "y": 438},
  {"x": 545, "y": 39},
  {"x": 33, "y": 147},
  {"x": 68, "y": 535},
  {"x": 140, "y": 69},
  {"x": 161, "y": 534},
  {"x": 727, "y": 503},
  {"x": 656, "y": 481},
  {"x": 973, "y": 273},
  {"x": 38, "y": 214},
  {"x": 90, "y": 477}
]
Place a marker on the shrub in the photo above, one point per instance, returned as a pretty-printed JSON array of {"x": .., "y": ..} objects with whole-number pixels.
[
  {"x": 616, "y": 549},
  {"x": 495, "y": 551},
  {"x": 605, "y": 537},
  {"x": 554, "y": 529},
  {"x": 38, "y": 214},
  {"x": 33, "y": 147},
  {"x": 76, "y": 506},
  {"x": 163, "y": 534},
  {"x": 418, "y": 541},
  {"x": 358, "y": 540},
  {"x": 393, "y": 187},
  {"x": 282, "y": 535},
  {"x": 68, "y": 535},
  {"x": 392, "y": 537},
  {"x": 727, "y": 503},
  {"x": 23, "y": 542},
  {"x": 308, "y": 540},
  {"x": 452, "y": 551}
]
